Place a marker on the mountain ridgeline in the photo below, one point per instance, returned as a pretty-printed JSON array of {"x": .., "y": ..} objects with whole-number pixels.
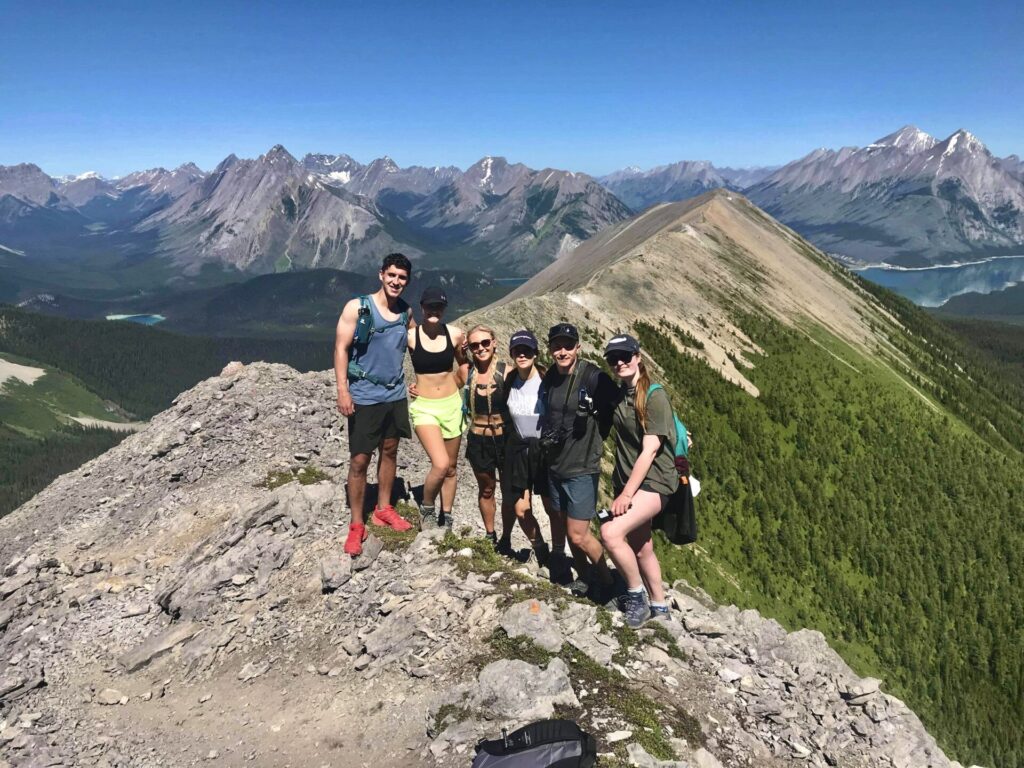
[
  {"x": 906, "y": 198},
  {"x": 860, "y": 464}
]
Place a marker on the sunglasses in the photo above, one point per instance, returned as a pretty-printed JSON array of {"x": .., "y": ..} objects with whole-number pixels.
[
  {"x": 523, "y": 352},
  {"x": 614, "y": 358},
  {"x": 482, "y": 344},
  {"x": 434, "y": 307},
  {"x": 562, "y": 344}
]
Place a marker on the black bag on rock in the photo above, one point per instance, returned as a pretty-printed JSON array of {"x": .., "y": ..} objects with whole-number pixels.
[
  {"x": 544, "y": 744},
  {"x": 678, "y": 520}
]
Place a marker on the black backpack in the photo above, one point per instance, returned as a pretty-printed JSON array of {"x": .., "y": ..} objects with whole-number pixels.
[{"x": 544, "y": 744}]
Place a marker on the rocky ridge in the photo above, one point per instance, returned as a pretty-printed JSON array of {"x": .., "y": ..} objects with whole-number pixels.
[{"x": 167, "y": 588}]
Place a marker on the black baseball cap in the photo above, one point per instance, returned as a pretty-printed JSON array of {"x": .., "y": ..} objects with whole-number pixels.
[
  {"x": 623, "y": 342},
  {"x": 563, "y": 330},
  {"x": 434, "y": 295},
  {"x": 523, "y": 338}
]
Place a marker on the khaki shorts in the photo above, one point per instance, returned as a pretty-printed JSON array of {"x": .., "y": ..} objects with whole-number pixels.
[{"x": 445, "y": 412}]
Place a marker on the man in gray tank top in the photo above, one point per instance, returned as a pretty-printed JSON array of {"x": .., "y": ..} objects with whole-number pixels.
[{"x": 369, "y": 348}]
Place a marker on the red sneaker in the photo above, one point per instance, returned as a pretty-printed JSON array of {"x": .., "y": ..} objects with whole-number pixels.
[
  {"x": 388, "y": 516},
  {"x": 356, "y": 536}
]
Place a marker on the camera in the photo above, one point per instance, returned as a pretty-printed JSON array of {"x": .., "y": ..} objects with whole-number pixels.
[
  {"x": 551, "y": 441},
  {"x": 604, "y": 515}
]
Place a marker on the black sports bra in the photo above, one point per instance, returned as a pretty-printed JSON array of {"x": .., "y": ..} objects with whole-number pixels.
[{"x": 425, "y": 361}]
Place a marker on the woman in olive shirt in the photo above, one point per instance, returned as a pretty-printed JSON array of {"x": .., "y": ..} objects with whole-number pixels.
[{"x": 643, "y": 479}]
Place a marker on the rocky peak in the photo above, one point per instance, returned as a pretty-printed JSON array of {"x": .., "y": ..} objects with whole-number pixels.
[
  {"x": 961, "y": 142},
  {"x": 909, "y": 139},
  {"x": 278, "y": 155},
  {"x": 193, "y": 575},
  {"x": 28, "y": 182}
]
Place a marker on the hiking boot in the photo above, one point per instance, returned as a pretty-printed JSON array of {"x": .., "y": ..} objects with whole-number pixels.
[
  {"x": 504, "y": 547},
  {"x": 578, "y": 587},
  {"x": 636, "y": 609},
  {"x": 559, "y": 568},
  {"x": 445, "y": 519},
  {"x": 661, "y": 612},
  {"x": 542, "y": 553},
  {"x": 387, "y": 515},
  {"x": 600, "y": 593},
  {"x": 493, "y": 538},
  {"x": 354, "y": 542},
  {"x": 428, "y": 518}
]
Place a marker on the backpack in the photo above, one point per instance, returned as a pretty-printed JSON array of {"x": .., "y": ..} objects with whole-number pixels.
[
  {"x": 365, "y": 329},
  {"x": 678, "y": 520},
  {"x": 500, "y": 379},
  {"x": 682, "y": 446},
  {"x": 544, "y": 744}
]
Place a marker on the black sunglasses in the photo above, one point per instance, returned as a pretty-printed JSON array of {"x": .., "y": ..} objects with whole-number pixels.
[
  {"x": 435, "y": 307},
  {"x": 482, "y": 344},
  {"x": 562, "y": 344},
  {"x": 614, "y": 358},
  {"x": 521, "y": 351}
]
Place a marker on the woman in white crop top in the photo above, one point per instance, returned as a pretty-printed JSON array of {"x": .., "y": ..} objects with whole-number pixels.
[{"x": 525, "y": 472}]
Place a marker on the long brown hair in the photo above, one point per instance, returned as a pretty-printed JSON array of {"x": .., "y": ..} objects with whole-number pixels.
[{"x": 643, "y": 383}]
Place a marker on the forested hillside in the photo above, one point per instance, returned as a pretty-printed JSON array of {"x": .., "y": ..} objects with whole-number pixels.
[
  {"x": 889, "y": 517},
  {"x": 142, "y": 369}
]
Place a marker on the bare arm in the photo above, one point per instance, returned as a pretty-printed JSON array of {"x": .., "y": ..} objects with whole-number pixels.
[
  {"x": 343, "y": 337},
  {"x": 462, "y": 361}
]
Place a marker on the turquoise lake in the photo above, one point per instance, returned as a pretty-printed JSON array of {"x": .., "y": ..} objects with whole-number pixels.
[{"x": 934, "y": 286}]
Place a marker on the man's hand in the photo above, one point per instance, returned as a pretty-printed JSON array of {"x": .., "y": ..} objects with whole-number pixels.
[{"x": 345, "y": 405}]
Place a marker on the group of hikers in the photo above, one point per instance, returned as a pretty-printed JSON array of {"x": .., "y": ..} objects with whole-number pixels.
[{"x": 531, "y": 432}]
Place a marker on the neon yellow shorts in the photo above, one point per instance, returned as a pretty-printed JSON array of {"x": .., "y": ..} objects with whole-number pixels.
[{"x": 445, "y": 412}]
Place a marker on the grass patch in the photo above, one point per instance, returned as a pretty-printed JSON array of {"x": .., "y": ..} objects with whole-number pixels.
[{"x": 304, "y": 476}]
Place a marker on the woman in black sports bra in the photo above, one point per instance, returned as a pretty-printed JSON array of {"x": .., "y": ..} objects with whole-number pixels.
[{"x": 435, "y": 350}]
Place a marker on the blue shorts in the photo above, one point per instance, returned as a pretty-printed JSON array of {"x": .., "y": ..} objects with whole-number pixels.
[{"x": 576, "y": 496}]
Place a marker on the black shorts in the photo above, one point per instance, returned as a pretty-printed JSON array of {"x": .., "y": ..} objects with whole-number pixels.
[
  {"x": 370, "y": 424},
  {"x": 485, "y": 453},
  {"x": 644, "y": 487},
  {"x": 525, "y": 468}
]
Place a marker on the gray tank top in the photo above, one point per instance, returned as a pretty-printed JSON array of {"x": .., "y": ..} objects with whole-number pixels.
[{"x": 382, "y": 357}]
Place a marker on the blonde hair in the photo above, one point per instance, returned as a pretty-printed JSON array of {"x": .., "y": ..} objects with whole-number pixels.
[
  {"x": 643, "y": 383},
  {"x": 486, "y": 329}
]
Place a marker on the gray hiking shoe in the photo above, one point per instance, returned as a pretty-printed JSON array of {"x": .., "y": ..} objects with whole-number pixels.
[
  {"x": 661, "y": 612},
  {"x": 446, "y": 519},
  {"x": 636, "y": 608},
  {"x": 428, "y": 518}
]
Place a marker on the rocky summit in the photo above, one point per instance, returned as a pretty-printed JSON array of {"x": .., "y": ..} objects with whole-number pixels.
[{"x": 183, "y": 600}]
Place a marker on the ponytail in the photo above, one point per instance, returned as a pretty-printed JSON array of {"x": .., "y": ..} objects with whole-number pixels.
[{"x": 643, "y": 383}]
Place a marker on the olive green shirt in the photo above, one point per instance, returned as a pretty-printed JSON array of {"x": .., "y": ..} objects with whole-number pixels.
[{"x": 629, "y": 437}]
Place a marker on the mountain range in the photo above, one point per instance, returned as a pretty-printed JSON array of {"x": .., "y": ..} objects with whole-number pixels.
[
  {"x": 277, "y": 213},
  {"x": 907, "y": 198}
]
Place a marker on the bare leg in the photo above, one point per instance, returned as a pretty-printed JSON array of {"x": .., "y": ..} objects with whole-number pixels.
[
  {"x": 524, "y": 511},
  {"x": 433, "y": 444},
  {"x": 581, "y": 537},
  {"x": 557, "y": 525},
  {"x": 387, "y": 467},
  {"x": 650, "y": 569},
  {"x": 486, "y": 483},
  {"x": 451, "y": 476},
  {"x": 508, "y": 518},
  {"x": 357, "y": 467},
  {"x": 614, "y": 533}
]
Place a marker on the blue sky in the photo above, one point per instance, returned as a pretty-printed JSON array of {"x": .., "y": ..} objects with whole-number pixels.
[{"x": 591, "y": 86}]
